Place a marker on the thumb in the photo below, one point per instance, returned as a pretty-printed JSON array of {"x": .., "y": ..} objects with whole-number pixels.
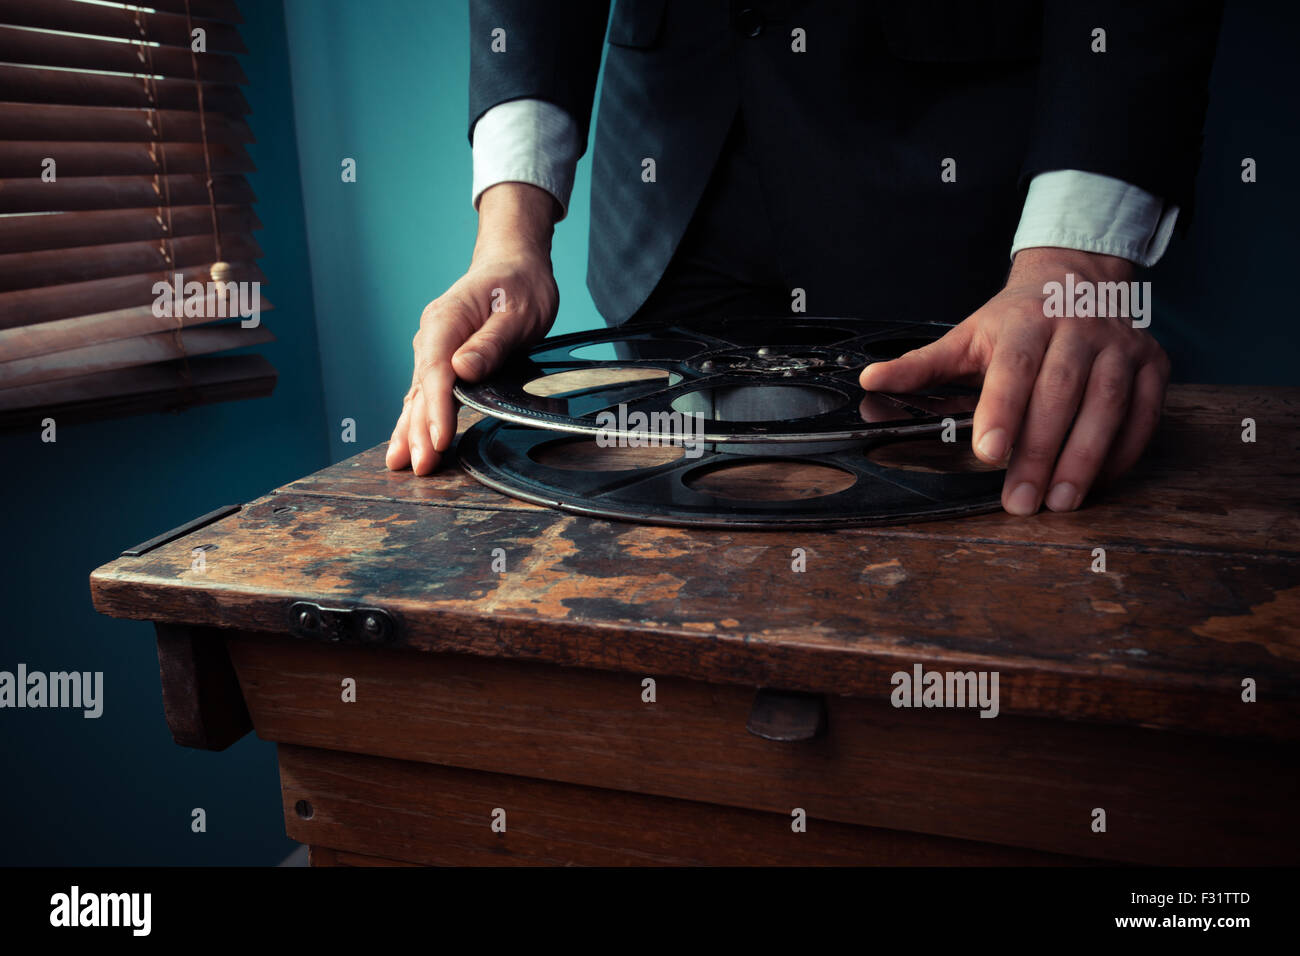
[
  {"x": 940, "y": 361},
  {"x": 487, "y": 348}
]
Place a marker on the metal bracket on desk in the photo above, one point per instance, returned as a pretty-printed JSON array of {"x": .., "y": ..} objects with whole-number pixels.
[{"x": 352, "y": 625}]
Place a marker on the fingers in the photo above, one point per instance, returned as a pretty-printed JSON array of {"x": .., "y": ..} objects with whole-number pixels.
[
  {"x": 424, "y": 455},
  {"x": 1008, "y": 384},
  {"x": 399, "y": 448},
  {"x": 940, "y": 361},
  {"x": 1110, "y": 389},
  {"x": 1142, "y": 418},
  {"x": 448, "y": 323},
  {"x": 1055, "y": 398}
]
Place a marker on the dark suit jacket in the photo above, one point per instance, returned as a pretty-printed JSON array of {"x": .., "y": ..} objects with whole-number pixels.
[{"x": 853, "y": 132}]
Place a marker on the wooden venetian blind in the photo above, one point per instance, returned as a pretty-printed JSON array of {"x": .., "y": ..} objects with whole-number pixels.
[{"x": 122, "y": 154}]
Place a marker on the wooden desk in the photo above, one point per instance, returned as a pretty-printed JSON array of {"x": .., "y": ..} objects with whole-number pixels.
[{"x": 522, "y": 691}]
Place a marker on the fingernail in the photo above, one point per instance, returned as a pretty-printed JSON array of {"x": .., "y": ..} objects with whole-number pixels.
[
  {"x": 1023, "y": 500},
  {"x": 472, "y": 361},
  {"x": 435, "y": 434},
  {"x": 1063, "y": 497},
  {"x": 993, "y": 446}
]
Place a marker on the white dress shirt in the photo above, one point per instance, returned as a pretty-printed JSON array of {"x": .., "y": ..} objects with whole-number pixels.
[{"x": 532, "y": 141}]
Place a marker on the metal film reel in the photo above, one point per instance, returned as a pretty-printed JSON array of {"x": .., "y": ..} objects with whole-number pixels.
[
  {"x": 847, "y": 487},
  {"x": 753, "y": 379},
  {"x": 783, "y": 436}
]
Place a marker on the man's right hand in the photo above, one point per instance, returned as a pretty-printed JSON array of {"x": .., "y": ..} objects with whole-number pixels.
[{"x": 507, "y": 299}]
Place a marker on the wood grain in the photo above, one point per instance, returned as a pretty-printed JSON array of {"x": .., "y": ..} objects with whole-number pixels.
[
  {"x": 395, "y": 810},
  {"x": 1161, "y": 639},
  {"x": 1014, "y": 781}
]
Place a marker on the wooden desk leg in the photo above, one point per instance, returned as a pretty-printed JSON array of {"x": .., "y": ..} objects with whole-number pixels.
[{"x": 202, "y": 700}]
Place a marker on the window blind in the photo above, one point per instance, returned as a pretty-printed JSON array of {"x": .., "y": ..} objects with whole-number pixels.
[{"x": 123, "y": 139}]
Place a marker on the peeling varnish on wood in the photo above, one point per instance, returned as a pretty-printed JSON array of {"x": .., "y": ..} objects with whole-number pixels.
[
  {"x": 1271, "y": 625},
  {"x": 299, "y": 561},
  {"x": 1109, "y": 607},
  {"x": 885, "y": 574},
  {"x": 545, "y": 584},
  {"x": 646, "y": 542}
]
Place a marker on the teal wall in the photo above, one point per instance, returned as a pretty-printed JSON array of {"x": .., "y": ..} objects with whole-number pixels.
[
  {"x": 387, "y": 83},
  {"x": 117, "y": 790}
]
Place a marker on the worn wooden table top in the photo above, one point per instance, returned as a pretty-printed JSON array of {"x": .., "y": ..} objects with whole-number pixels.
[{"x": 1201, "y": 589}]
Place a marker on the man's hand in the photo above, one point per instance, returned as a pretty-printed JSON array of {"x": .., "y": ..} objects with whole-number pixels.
[
  {"x": 1064, "y": 399},
  {"x": 508, "y": 298}
]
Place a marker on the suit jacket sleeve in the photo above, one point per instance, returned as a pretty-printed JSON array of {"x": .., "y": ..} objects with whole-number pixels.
[
  {"x": 1135, "y": 111},
  {"x": 552, "y": 53}
]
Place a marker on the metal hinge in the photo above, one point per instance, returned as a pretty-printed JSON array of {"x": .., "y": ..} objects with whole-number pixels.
[{"x": 353, "y": 625}]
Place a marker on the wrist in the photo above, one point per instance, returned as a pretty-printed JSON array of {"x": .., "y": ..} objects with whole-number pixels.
[
  {"x": 1041, "y": 263},
  {"x": 515, "y": 218}
]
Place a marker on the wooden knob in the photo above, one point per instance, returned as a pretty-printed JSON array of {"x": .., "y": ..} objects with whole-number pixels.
[{"x": 220, "y": 272}]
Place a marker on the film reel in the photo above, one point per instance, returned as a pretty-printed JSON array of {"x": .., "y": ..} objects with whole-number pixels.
[
  {"x": 752, "y": 379},
  {"x": 783, "y": 435},
  {"x": 839, "y": 488}
]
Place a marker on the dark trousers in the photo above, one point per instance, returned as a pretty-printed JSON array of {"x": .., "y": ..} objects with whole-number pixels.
[{"x": 728, "y": 262}]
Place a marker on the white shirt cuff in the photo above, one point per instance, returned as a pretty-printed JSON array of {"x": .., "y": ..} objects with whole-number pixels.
[
  {"x": 526, "y": 141},
  {"x": 1090, "y": 212}
]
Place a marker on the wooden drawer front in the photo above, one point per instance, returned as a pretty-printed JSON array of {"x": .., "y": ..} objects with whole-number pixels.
[
  {"x": 396, "y": 810},
  {"x": 1169, "y": 798}
]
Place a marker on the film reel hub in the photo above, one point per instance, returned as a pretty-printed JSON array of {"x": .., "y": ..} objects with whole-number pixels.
[{"x": 768, "y": 361}]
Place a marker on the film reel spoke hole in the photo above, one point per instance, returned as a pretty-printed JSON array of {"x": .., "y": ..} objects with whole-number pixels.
[
  {"x": 584, "y": 454},
  {"x": 780, "y": 480},
  {"x": 582, "y": 379},
  {"x": 929, "y": 454},
  {"x": 644, "y": 349},
  {"x": 759, "y": 403}
]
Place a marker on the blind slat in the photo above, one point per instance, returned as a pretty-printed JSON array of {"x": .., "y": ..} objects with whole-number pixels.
[
  {"x": 32, "y": 233},
  {"x": 166, "y": 28},
  {"x": 125, "y": 353},
  {"x": 18, "y": 159},
  {"x": 110, "y": 93},
  {"x": 27, "y": 341},
  {"x": 34, "y": 84},
  {"x": 82, "y": 53},
  {"x": 119, "y": 192},
  {"x": 227, "y": 10},
  {"x": 55, "y": 267},
  {"x": 29, "y": 306},
  {"x": 116, "y": 124},
  {"x": 147, "y": 388}
]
